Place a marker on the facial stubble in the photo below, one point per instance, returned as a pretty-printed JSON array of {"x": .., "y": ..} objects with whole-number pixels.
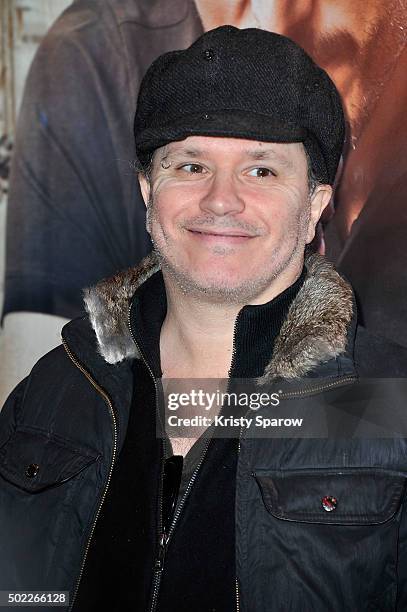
[{"x": 217, "y": 293}]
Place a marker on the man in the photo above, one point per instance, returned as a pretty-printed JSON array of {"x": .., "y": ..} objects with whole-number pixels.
[{"x": 238, "y": 139}]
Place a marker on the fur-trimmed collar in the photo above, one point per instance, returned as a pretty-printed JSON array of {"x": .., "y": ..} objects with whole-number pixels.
[{"x": 314, "y": 331}]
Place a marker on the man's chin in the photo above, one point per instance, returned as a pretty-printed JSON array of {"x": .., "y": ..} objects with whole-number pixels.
[
  {"x": 221, "y": 289},
  {"x": 228, "y": 284},
  {"x": 219, "y": 294}
]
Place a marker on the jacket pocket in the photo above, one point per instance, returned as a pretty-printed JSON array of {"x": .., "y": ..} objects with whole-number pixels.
[
  {"x": 34, "y": 460},
  {"x": 322, "y": 539},
  {"x": 362, "y": 496}
]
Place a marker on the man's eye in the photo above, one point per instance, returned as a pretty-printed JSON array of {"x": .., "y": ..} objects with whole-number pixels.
[
  {"x": 261, "y": 172},
  {"x": 193, "y": 168}
]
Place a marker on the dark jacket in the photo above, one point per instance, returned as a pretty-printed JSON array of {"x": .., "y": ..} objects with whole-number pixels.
[{"x": 62, "y": 429}]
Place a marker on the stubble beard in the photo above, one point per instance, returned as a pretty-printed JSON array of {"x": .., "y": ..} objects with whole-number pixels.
[{"x": 216, "y": 293}]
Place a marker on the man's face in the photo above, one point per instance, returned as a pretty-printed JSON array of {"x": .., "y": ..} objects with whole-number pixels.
[{"x": 228, "y": 216}]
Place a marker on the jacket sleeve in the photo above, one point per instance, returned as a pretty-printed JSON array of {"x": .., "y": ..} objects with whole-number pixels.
[{"x": 74, "y": 210}]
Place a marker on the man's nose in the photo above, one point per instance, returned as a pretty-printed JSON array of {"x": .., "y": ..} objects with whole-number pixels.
[{"x": 222, "y": 196}]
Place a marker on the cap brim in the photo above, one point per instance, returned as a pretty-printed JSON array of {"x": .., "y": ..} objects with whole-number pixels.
[{"x": 227, "y": 123}]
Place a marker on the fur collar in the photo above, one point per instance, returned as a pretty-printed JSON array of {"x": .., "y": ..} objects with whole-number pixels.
[{"x": 314, "y": 331}]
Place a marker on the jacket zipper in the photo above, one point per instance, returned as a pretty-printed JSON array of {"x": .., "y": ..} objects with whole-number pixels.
[
  {"x": 159, "y": 562},
  {"x": 110, "y": 405},
  {"x": 232, "y": 364},
  {"x": 323, "y": 387},
  {"x": 164, "y": 538}
]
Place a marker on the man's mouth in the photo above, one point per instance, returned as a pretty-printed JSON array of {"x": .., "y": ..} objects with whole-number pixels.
[{"x": 224, "y": 235}]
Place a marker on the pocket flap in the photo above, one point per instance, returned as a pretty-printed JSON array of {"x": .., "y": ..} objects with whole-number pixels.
[
  {"x": 35, "y": 461},
  {"x": 351, "y": 497}
]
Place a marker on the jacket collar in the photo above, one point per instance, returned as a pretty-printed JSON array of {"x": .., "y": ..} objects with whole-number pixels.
[{"x": 315, "y": 331}]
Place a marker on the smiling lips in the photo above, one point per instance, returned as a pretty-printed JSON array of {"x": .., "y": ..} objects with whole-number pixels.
[{"x": 225, "y": 235}]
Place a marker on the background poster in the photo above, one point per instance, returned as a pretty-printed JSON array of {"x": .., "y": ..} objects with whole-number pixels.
[{"x": 74, "y": 213}]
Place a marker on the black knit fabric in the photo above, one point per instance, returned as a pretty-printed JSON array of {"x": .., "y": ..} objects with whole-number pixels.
[
  {"x": 199, "y": 569},
  {"x": 257, "y": 328},
  {"x": 247, "y": 83}
]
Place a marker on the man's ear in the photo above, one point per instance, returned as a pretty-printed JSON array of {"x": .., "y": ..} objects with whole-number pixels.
[
  {"x": 144, "y": 187},
  {"x": 319, "y": 201}
]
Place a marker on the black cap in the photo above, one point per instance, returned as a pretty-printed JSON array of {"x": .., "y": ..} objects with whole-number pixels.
[{"x": 249, "y": 84}]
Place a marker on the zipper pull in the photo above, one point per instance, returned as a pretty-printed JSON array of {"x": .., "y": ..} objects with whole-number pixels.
[{"x": 162, "y": 546}]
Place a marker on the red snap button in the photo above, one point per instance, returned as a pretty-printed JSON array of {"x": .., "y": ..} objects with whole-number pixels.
[{"x": 329, "y": 503}]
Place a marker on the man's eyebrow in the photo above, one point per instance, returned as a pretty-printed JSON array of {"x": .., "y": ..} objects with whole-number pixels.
[
  {"x": 188, "y": 152},
  {"x": 259, "y": 154}
]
